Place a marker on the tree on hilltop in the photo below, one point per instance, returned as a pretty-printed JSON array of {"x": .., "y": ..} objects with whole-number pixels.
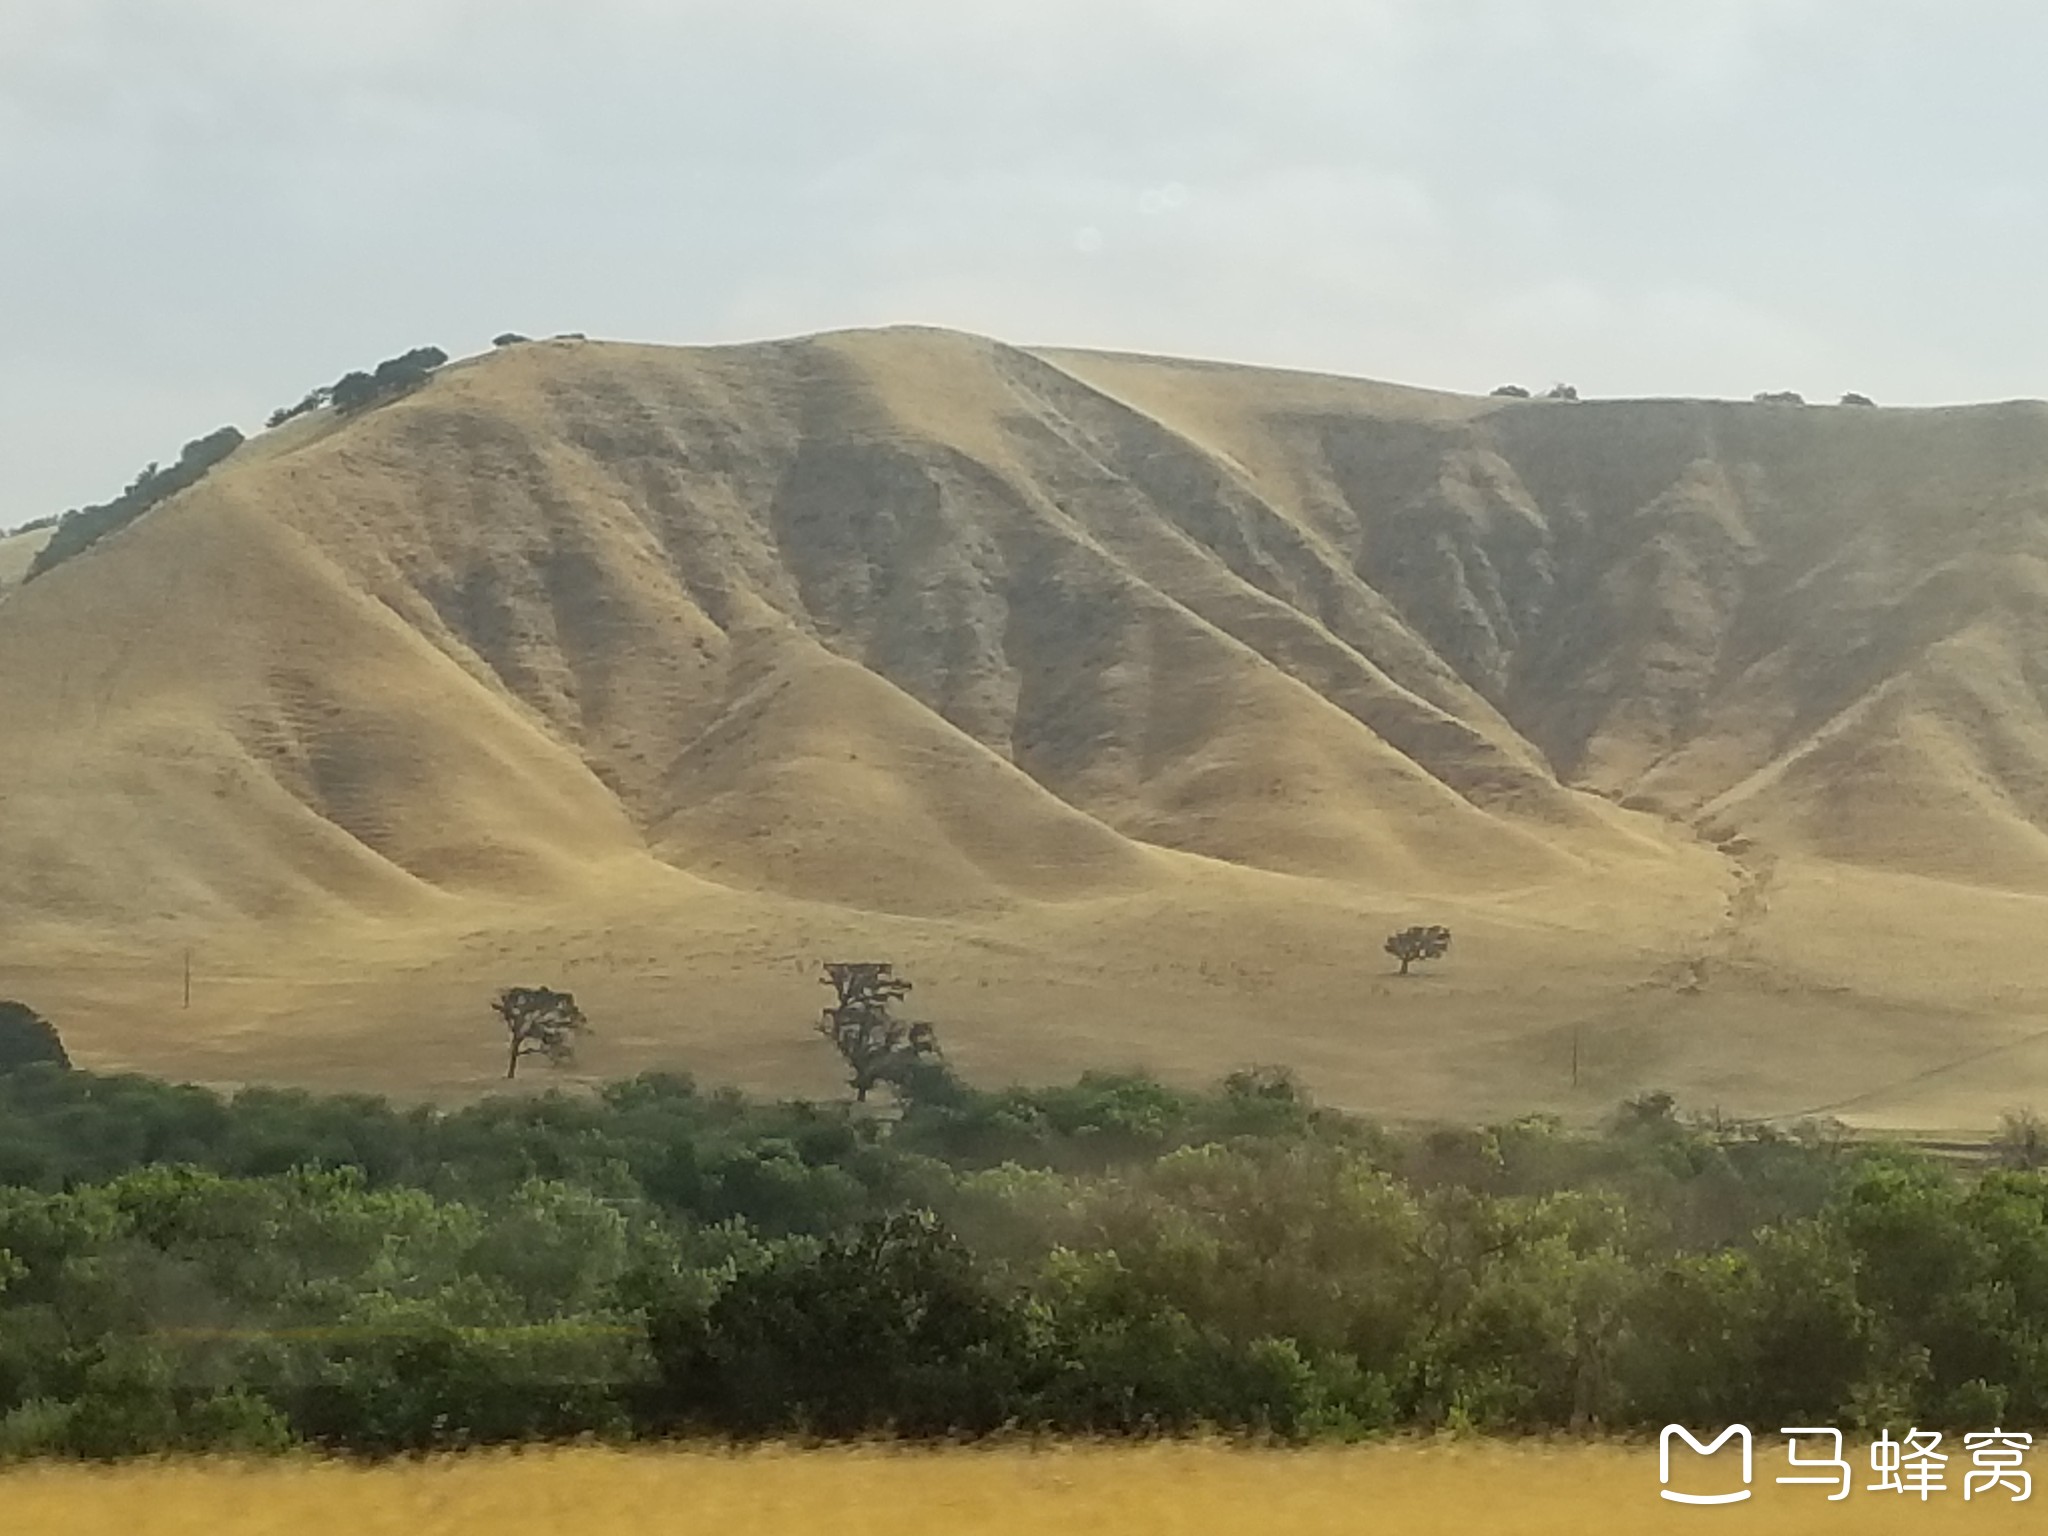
[
  {"x": 27, "y": 1037},
  {"x": 312, "y": 400},
  {"x": 1562, "y": 392},
  {"x": 1512, "y": 392},
  {"x": 84, "y": 527},
  {"x": 352, "y": 391},
  {"x": 1418, "y": 943},
  {"x": 394, "y": 376},
  {"x": 409, "y": 367},
  {"x": 876, "y": 1046},
  {"x": 541, "y": 1022}
]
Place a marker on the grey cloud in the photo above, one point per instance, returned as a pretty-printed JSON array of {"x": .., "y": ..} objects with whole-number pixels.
[{"x": 207, "y": 205}]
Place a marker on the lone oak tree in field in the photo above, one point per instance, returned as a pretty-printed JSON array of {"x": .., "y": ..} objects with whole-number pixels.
[
  {"x": 541, "y": 1022},
  {"x": 876, "y": 1046},
  {"x": 1420, "y": 943}
]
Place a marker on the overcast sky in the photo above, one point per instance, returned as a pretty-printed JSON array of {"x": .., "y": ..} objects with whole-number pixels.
[{"x": 207, "y": 206}]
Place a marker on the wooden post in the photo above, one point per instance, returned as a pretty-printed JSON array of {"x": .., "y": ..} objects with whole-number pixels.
[
  {"x": 1575, "y": 1055},
  {"x": 188, "y": 976}
]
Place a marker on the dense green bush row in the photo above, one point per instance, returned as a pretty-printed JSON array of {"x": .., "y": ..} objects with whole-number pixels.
[{"x": 179, "y": 1270}]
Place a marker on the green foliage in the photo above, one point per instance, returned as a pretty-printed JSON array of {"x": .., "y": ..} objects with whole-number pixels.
[
  {"x": 889, "y": 1327},
  {"x": 80, "y": 530},
  {"x": 312, "y": 400},
  {"x": 352, "y": 391},
  {"x": 358, "y": 390},
  {"x": 26, "y": 1037},
  {"x": 392, "y": 377},
  {"x": 180, "y": 1271},
  {"x": 2022, "y": 1139}
]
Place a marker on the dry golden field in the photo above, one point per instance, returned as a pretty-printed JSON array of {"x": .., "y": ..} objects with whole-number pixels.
[{"x": 1170, "y": 1490}]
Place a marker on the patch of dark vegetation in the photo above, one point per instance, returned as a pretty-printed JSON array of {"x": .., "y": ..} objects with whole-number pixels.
[
  {"x": 392, "y": 377},
  {"x": 27, "y": 1038},
  {"x": 357, "y": 390},
  {"x": 312, "y": 400},
  {"x": 79, "y": 530},
  {"x": 185, "y": 1271},
  {"x": 1424, "y": 942}
]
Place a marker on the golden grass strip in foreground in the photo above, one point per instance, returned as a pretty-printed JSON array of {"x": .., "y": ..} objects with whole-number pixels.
[{"x": 1182, "y": 1489}]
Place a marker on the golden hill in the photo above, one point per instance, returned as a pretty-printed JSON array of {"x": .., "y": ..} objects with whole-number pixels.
[
  {"x": 16, "y": 551},
  {"x": 1125, "y": 702}
]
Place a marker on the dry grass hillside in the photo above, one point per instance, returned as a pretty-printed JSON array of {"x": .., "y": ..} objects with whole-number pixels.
[
  {"x": 16, "y": 551},
  {"x": 1125, "y": 702}
]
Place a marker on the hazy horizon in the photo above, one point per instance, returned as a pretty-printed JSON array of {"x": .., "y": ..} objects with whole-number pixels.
[{"x": 218, "y": 205}]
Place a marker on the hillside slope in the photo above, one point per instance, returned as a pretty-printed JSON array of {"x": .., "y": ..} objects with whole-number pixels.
[
  {"x": 1130, "y": 698},
  {"x": 17, "y": 550}
]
